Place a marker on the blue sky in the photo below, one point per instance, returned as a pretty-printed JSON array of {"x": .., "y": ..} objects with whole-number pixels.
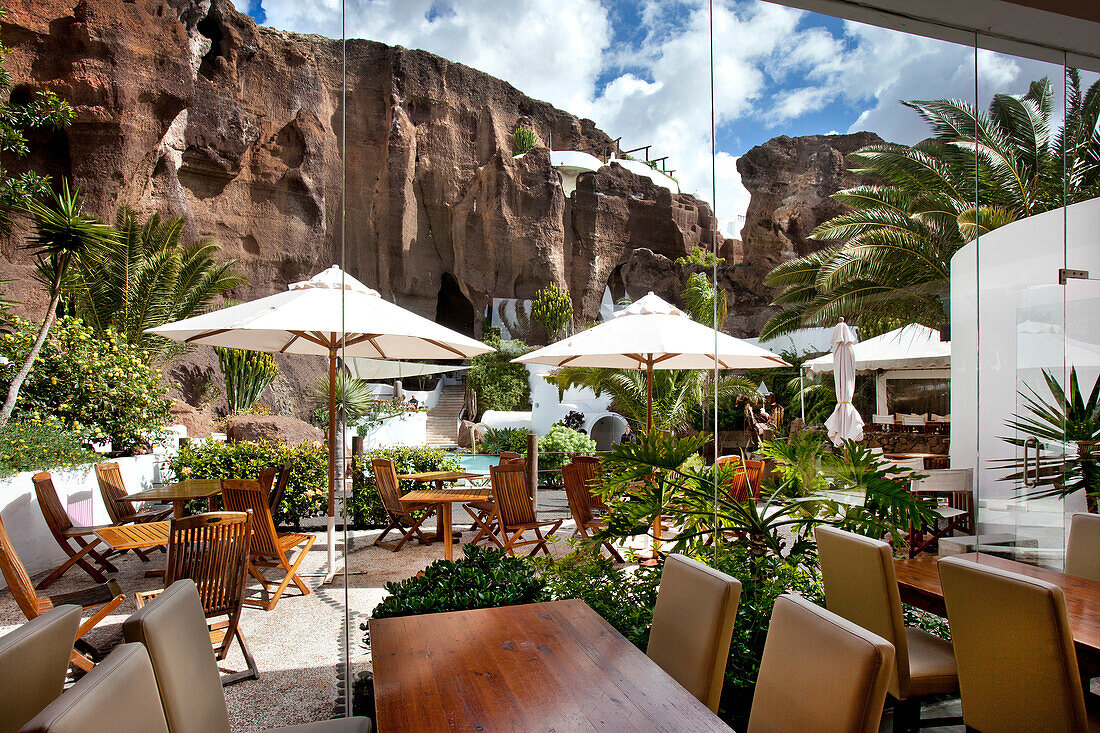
[{"x": 639, "y": 68}]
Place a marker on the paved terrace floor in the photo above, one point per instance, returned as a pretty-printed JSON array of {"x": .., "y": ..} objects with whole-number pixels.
[{"x": 299, "y": 646}]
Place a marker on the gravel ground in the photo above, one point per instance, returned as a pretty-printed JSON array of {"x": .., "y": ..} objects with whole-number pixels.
[{"x": 299, "y": 646}]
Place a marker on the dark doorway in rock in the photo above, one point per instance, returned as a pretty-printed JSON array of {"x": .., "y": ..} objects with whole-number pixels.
[{"x": 453, "y": 309}]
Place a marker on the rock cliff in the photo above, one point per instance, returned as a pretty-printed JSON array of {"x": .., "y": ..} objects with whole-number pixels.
[{"x": 187, "y": 107}]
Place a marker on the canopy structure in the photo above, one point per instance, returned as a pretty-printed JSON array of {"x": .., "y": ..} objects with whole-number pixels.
[
  {"x": 909, "y": 352},
  {"x": 379, "y": 369},
  {"x": 909, "y": 347},
  {"x": 332, "y": 314},
  {"x": 653, "y": 334}
]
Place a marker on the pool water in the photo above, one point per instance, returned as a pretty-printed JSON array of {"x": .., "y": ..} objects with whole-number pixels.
[{"x": 477, "y": 463}]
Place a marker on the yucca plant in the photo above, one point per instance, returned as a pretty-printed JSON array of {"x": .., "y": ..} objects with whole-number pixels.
[
  {"x": 553, "y": 310},
  {"x": 1062, "y": 418},
  {"x": 354, "y": 397},
  {"x": 523, "y": 139},
  {"x": 247, "y": 375}
]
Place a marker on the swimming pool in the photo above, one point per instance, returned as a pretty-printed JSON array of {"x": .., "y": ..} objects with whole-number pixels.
[{"x": 476, "y": 463}]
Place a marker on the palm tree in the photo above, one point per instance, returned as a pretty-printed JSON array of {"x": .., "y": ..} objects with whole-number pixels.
[
  {"x": 145, "y": 278},
  {"x": 62, "y": 232},
  {"x": 893, "y": 249},
  {"x": 675, "y": 391}
]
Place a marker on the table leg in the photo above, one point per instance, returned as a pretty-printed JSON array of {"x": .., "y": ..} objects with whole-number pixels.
[
  {"x": 177, "y": 508},
  {"x": 211, "y": 503},
  {"x": 445, "y": 530}
]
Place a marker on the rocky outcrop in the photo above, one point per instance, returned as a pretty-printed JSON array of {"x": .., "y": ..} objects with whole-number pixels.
[
  {"x": 187, "y": 107},
  {"x": 270, "y": 428},
  {"x": 790, "y": 180}
]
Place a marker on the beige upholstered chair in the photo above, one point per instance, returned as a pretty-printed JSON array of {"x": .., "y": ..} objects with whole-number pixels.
[
  {"x": 33, "y": 660},
  {"x": 173, "y": 629},
  {"x": 1083, "y": 546},
  {"x": 1017, "y": 666},
  {"x": 693, "y": 625},
  {"x": 819, "y": 672},
  {"x": 119, "y": 695},
  {"x": 860, "y": 586}
]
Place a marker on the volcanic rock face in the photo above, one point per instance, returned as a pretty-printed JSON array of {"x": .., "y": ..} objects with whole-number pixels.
[
  {"x": 187, "y": 107},
  {"x": 790, "y": 181}
]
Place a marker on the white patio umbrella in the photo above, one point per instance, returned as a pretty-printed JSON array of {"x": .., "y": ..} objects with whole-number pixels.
[
  {"x": 652, "y": 334},
  {"x": 845, "y": 422},
  {"x": 332, "y": 314}
]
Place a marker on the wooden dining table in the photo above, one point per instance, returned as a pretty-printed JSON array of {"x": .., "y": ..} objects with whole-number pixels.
[
  {"x": 919, "y": 583},
  {"x": 179, "y": 493},
  {"x": 543, "y": 666},
  {"x": 445, "y": 498}
]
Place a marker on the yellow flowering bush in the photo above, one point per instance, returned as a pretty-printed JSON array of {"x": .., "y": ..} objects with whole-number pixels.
[
  {"x": 99, "y": 388},
  {"x": 36, "y": 445}
]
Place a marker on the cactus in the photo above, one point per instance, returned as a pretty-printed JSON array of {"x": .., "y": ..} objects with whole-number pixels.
[
  {"x": 553, "y": 310},
  {"x": 247, "y": 375}
]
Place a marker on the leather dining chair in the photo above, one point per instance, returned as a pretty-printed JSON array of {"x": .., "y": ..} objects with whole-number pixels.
[
  {"x": 34, "y": 659},
  {"x": 860, "y": 585},
  {"x": 693, "y": 625},
  {"x": 1017, "y": 664},
  {"x": 119, "y": 695},
  {"x": 838, "y": 672},
  {"x": 1083, "y": 546}
]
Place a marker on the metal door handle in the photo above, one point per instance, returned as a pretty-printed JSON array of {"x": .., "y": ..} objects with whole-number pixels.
[{"x": 1031, "y": 482}]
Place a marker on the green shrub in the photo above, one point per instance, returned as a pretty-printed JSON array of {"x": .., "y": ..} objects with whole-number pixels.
[
  {"x": 499, "y": 383},
  {"x": 484, "y": 578},
  {"x": 98, "y": 388},
  {"x": 247, "y": 375},
  {"x": 523, "y": 139},
  {"x": 624, "y": 597},
  {"x": 701, "y": 257},
  {"x": 39, "y": 446},
  {"x": 306, "y": 493},
  {"x": 498, "y": 440},
  {"x": 365, "y": 507},
  {"x": 558, "y": 447},
  {"x": 553, "y": 310}
]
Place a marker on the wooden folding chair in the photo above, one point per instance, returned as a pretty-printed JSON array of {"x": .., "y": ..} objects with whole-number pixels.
[
  {"x": 275, "y": 496},
  {"x": 212, "y": 550},
  {"x": 268, "y": 548},
  {"x": 514, "y": 511},
  {"x": 113, "y": 490},
  {"x": 957, "y": 486},
  {"x": 484, "y": 521},
  {"x": 744, "y": 482},
  {"x": 385, "y": 478},
  {"x": 65, "y": 532},
  {"x": 106, "y": 597},
  {"x": 577, "y": 477}
]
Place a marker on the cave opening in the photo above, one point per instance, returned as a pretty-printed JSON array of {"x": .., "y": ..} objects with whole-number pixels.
[
  {"x": 211, "y": 28},
  {"x": 453, "y": 309}
]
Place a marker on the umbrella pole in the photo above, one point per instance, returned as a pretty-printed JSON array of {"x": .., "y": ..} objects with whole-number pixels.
[
  {"x": 802, "y": 395},
  {"x": 649, "y": 429},
  {"x": 331, "y": 519}
]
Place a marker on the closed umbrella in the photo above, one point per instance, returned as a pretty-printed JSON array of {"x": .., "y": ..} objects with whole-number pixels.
[
  {"x": 332, "y": 314},
  {"x": 653, "y": 334},
  {"x": 845, "y": 422}
]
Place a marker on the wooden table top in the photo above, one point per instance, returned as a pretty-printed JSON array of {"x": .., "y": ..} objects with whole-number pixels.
[
  {"x": 919, "y": 582},
  {"x": 436, "y": 496},
  {"x": 135, "y": 536},
  {"x": 192, "y": 488},
  {"x": 429, "y": 476},
  {"x": 544, "y": 666}
]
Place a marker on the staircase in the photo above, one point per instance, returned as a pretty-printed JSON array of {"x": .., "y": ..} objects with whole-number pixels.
[{"x": 443, "y": 418}]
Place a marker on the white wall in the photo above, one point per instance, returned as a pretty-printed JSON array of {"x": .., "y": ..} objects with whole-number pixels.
[
  {"x": 427, "y": 398},
  {"x": 408, "y": 429},
  {"x": 1009, "y": 319},
  {"x": 79, "y": 493}
]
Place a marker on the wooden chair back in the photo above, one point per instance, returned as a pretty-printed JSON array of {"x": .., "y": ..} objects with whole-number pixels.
[
  {"x": 57, "y": 519},
  {"x": 15, "y": 574},
  {"x": 506, "y": 456},
  {"x": 590, "y": 468},
  {"x": 212, "y": 550},
  {"x": 242, "y": 495},
  {"x": 276, "y": 496},
  {"x": 745, "y": 481},
  {"x": 576, "y": 492},
  {"x": 267, "y": 477},
  {"x": 510, "y": 493},
  {"x": 385, "y": 478},
  {"x": 113, "y": 490}
]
